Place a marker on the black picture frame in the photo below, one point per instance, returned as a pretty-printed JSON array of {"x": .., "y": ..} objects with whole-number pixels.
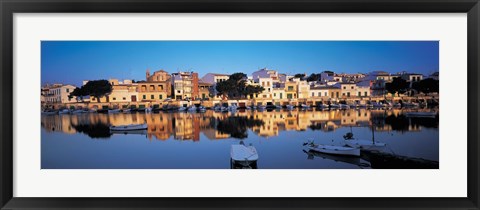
[{"x": 9, "y": 7}]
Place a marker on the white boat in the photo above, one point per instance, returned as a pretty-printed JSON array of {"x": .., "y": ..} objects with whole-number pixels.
[
  {"x": 113, "y": 111},
  {"x": 148, "y": 110},
  {"x": 92, "y": 110},
  {"x": 129, "y": 127},
  {"x": 79, "y": 111},
  {"x": 126, "y": 110},
  {"x": 334, "y": 106},
  {"x": 232, "y": 108},
  {"x": 365, "y": 144},
  {"x": 244, "y": 155},
  {"x": 344, "y": 106},
  {"x": 192, "y": 108},
  {"x": 49, "y": 112},
  {"x": 261, "y": 107},
  {"x": 421, "y": 114},
  {"x": 217, "y": 108},
  {"x": 333, "y": 150},
  {"x": 64, "y": 111},
  {"x": 378, "y": 105},
  {"x": 278, "y": 107},
  {"x": 323, "y": 106},
  {"x": 290, "y": 107},
  {"x": 202, "y": 109},
  {"x": 181, "y": 109},
  {"x": 305, "y": 106}
]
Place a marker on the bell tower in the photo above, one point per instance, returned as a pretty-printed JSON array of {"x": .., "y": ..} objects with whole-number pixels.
[{"x": 147, "y": 74}]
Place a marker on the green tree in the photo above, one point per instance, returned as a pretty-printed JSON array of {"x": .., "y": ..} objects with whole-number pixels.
[
  {"x": 236, "y": 86},
  {"x": 301, "y": 76},
  {"x": 398, "y": 85},
  {"x": 314, "y": 77},
  {"x": 426, "y": 86},
  {"x": 95, "y": 88}
]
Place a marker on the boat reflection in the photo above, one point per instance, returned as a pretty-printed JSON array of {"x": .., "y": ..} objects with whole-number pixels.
[{"x": 337, "y": 158}]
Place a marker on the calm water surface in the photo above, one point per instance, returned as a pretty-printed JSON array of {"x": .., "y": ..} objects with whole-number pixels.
[{"x": 203, "y": 140}]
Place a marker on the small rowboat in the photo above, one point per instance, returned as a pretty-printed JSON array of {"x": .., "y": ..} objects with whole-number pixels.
[
  {"x": 130, "y": 127},
  {"x": 333, "y": 150},
  {"x": 244, "y": 155}
]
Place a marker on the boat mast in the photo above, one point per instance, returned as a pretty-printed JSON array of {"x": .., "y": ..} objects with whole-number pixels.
[{"x": 373, "y": 134}]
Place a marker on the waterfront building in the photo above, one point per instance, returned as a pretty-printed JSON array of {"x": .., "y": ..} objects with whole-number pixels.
[
  {"x": 319, "y": 92},
  {"x": 291, "y": 89},
  {"x": 411, "y": 77},
  {"x": 185, "y": 85},
  {"x": 204, "y": 90},
  {"x": 213, "y": 79},
  {"x": 58, "y": 94},
  {"x": 266, "y": 73},
  {"x": 122, "y": 92}
]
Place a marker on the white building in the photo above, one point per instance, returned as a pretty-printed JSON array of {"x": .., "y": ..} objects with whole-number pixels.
[{"x": 59, "y": 93}]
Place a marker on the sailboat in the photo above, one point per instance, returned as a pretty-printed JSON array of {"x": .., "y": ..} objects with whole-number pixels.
[{"x": 363, "y": 144}]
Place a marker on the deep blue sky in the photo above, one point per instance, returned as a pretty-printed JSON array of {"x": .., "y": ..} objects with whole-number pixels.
[{"x": 70, "y": 62}]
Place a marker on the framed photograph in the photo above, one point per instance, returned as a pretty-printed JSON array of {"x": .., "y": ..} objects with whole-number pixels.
[{"x": 239, "y": 105}]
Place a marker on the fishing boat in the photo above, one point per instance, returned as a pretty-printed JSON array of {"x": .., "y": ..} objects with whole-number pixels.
[
  {"x": 192, "y": 108},
  {"x": 130, "y": 127},
  {"x": 304, "y": 106},
  {"x": 181, "y": 109},
  {"x": 334, "y": 106},
  {"x": 278, "y": 107},
  {"x": 202, "y": 109},
  {"x": 290, "y": 107},
  {"x": 79, "y": 111},
  {"x": 113, "y": 111},
  {"x": 244, "y": 155},
  {"x": 332, "y": 149},
  {"x": 64, "y": 111},
  {"x": 126, "y": 110},
  {"x": 148, "y": 110},
  {"x": 49, "y": 112},
  {"x": 421, "y": 114},
  {"x": 322, "y": 106},
  {"x": 344, "y": 106},
  {"x": 261, "y": 107}
]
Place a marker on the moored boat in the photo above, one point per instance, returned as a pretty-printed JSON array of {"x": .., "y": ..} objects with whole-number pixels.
[
  {"x": 113, "y": 111},
  {"x": 129, "y": 127},
  {"x": 421, "y": 114},
  {"x": 244, "y": 155},
  {"x": 333, "y": 150}
]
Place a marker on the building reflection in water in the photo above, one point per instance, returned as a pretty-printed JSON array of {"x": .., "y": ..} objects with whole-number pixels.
[{"x": 217, "y": 126}]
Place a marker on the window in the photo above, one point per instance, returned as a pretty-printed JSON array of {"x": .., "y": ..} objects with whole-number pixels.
[
  {"x": 268, "y": 89},
  {"x": 144, "y": 96},
  {"x": 268, "y": 83},
  {"x": 365, "y": 93},
  {"x": 313, "y": 94},
  {"x": 343, "y": 94},
  {"x": 359, "y": 93},
  {"x": 152, "y": 97},
  {"x": 352, "y": 87},
  {"x": 326, "y": 94},
  {"x": 68, "y": 90},
  {"x": 344, "y": 87},
  {"x": 348, "y": 94},
  {"x": 256, "y": 95},
  {"x": 290, "y": 88},
  {"x": 114, "y": 98},
  {"x": 124, "y": 98},
  {"x": 160, "y": 97},
  {"x": 274, "y": 95}
]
